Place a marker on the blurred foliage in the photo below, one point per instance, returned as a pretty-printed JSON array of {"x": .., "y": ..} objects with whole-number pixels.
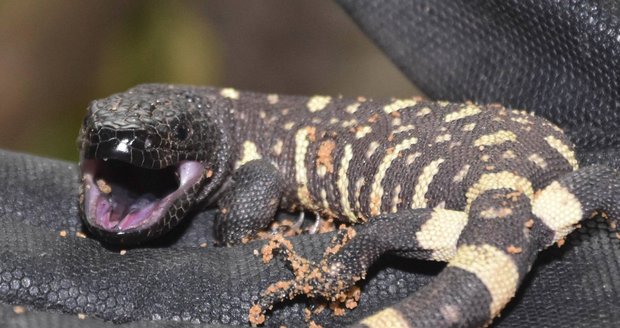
[
  {"x": 162, "y": 42},
  {"x": 159, "y": 42},
  {"x": 58, "y": 55}
]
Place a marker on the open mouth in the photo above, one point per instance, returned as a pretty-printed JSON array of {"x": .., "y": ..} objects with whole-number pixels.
[{"x": 121, "y": 198}]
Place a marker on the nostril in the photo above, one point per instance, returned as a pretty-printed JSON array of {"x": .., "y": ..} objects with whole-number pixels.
[{"x": 181, "y": 132}]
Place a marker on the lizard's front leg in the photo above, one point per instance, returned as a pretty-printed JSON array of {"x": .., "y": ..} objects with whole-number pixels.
[{"x": 249, "y": 203}]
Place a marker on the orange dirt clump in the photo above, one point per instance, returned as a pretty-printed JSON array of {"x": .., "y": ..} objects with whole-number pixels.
[
  {"x": 314, "y": 325},
  {"x": 256, "y": 316},
  {"x": 514, "y": 249},
  {"x": 529, "y": 224},
  {"x": 350, "y": 304},
  {"x": 103, "y": 186},
  {"x": 19, "y": 309},
  {"x": 373, "y": 118},
  {"x": 311, "y": 133},
  {"x": 324, "y": 155}
]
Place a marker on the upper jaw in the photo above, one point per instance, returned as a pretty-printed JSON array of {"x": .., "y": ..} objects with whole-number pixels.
[{"x": 133, "y": 147}]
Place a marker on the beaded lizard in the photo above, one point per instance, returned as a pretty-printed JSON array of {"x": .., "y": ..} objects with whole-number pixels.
[{"x": 479, "y": 186}]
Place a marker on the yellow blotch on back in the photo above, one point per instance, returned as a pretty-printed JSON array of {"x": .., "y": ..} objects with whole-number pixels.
[
  {"x": 404, "y": 128},
  {"x": 351, "y": 109},
  {"x": 564, "y": 150},
  {"x": 460, "y": 175},
  {"x": 377, "y": 188},
  {"x": 362, "y": 131},
  {"x": 288, "y": 125},
  {"x": 466, "y": 111},
  {"x": 249, "y": 152},
  {"x": 498, "y": 180},
  {"x": 277, "y": 147},
  {"x": 343, "y": 183},
  {"x": 424, "y": 182},
  {"x": 398, "y": 105},
  {"x": 229, "y": 93},
  {"x": 469, "y": 127},
  {"x": 521, "y": 120},
  {"x": 496, "y": 138},
  {"x": 371, "y": 149},
  {"x": 318, "y": 103},
  {"x": 424, "y": 111},
  {"x": 301, "y": 174},
  {"x": 358, "y": 191},
  {"x": 443, "y": 138},
  {"x": 538, "y": 160},
  {"x": 273, "y": 98},
  {"x": 396, "y": 200}
]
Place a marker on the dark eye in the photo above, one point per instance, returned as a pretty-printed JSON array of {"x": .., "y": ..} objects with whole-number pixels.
[{"x": 181, "y": 132}]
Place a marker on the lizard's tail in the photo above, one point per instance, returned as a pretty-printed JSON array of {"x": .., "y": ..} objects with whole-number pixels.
[{"x": 564, "y": 203}]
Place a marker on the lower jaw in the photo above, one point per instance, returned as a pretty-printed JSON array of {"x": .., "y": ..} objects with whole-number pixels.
[{"x": 124, "y": 238}]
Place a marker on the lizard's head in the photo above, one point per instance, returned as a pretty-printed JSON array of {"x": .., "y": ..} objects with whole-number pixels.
[{"x": 147, "y": 156}]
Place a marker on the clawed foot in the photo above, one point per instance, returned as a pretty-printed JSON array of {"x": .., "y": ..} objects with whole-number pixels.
[
  {"x": 328, "y": 279},
  {"x": 288, "y": 228}
]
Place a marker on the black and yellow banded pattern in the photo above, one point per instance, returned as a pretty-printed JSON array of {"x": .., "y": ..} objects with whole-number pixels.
[{"x": 481, "y": 187}]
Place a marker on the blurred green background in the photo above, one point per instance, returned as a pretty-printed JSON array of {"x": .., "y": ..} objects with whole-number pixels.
[{"x": 56, "y": 56}]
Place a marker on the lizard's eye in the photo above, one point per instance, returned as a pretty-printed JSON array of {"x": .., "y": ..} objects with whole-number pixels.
[{"x": 181, "y": 132}]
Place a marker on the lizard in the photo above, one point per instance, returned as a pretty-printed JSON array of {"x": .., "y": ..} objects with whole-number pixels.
[{"x": 481, "y": 187}]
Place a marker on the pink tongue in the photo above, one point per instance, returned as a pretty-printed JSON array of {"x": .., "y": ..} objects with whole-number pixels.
[
  {"x": 114, "y": 212},
  {"x": 136, "y": 217},
  {"x": 103, "y": 214},
  {"x": 190, "y": 172}
]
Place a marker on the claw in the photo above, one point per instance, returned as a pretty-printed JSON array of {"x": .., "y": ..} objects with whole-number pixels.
[
  {"x": 299, "y": 222},
  {"x": 288, "y": 230},
  {"x": 316, "y": 225}
]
